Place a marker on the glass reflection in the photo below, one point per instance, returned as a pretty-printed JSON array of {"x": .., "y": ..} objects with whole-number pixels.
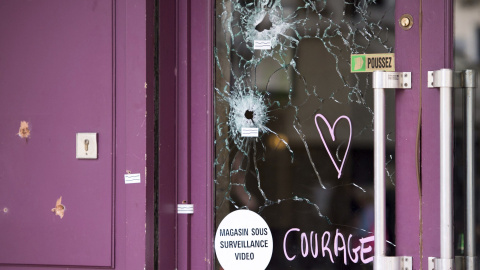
[{"x": 467, "y": 56}]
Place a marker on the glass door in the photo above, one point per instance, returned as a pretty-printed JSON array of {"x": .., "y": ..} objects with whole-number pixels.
[
  {"x": 467, "y": 57},
  {"x": 294, "y": 126},
  {"x": 271, "y": 121}
]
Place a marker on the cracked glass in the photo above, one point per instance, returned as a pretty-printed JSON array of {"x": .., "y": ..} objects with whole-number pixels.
[{"x": 294, "y": 126}]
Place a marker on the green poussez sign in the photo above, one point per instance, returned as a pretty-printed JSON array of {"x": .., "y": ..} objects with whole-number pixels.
[{"x": 372, "y": 62}]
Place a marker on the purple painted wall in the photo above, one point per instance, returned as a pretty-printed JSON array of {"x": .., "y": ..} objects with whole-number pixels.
[
  {"x": 61, "y": 83},
  {"x": 124, "y": 148},
  {"x": 131, "y": 125}
]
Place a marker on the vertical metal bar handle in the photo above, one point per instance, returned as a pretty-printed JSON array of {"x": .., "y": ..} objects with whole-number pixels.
[
  {"x": 379, "y": 171},
  {"x": 381, "y": 81},
  {"x": 446, "y": 152},
  {"x": 443, "y": 79},
  {"x": 469, "y": 81}
]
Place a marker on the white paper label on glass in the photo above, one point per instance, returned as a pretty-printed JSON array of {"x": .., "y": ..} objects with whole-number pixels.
[
  {"x": 262, "y": 45},
  {"x": 249, "y": 132}
]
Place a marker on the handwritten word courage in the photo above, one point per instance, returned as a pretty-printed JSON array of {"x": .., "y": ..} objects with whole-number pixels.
[{"x": 309, "y": 246}]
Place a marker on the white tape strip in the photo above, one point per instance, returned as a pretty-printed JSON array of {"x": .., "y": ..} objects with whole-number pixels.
[
  {"x": 185, "y": 209},
  {"x": 262, "y": 45},
  {"x": 249, "y": 132}
]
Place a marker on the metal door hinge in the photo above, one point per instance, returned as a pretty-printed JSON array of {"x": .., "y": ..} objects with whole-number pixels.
[
  {"x": 468, "y": 78},
  {"x": 448, "y": 78},
  {"x": 465, "y": 263},
  {"x": 460, "y": 263},
  {"x": 185, "y": 208},
  {"x": 396, "y": 263},
  {"x": 384, "y": 80},
  {"x": 440, "y": 264}
]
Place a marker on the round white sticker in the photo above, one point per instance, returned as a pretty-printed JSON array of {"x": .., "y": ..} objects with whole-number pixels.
[{"x": 243, "y": 241}]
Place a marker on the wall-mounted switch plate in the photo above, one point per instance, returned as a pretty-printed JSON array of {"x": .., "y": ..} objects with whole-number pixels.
[{"x": 87, "y": 146}]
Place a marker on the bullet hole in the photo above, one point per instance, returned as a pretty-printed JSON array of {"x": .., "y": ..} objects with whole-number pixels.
[
  {"x": 248, "y": 109},
  {"x": 249, "y": 114},
  {"x": 266, "y": 21},
  {"x": 59, "y": 209},
  {"x": 265, "y": 24},
  {"x": 5, "y": 210},
  {"x": 24, "y": 131},
  {"x": 184, "y": 202}
]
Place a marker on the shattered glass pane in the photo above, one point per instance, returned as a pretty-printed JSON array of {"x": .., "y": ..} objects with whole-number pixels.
[{"x": 283, "y": 71}]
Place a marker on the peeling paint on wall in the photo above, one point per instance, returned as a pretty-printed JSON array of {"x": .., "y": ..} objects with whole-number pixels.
[
  {"x": 24, "y": 131},
  {"x": 59, "y": 209}
]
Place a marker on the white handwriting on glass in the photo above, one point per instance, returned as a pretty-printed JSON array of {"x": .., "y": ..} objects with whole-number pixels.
[
  {"x": 309, "y": 246},
  {"x": 331, "y": 130}
]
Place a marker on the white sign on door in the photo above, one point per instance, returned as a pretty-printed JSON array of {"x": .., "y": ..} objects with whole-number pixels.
[{"x": 243, "y": 241}]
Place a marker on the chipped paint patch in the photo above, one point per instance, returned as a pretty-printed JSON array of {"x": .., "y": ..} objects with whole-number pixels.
[
  {"x": 24, "y": 131},
  {"x": 59, "y": 209}
]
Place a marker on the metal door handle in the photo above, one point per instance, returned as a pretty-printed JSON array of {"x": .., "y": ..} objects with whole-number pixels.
[
  {"x": 381, "y": 81},
  {"x": 446, "y": 80},
  {"x": 469, "y": 79},
  {"x": 443, "y": 79}
]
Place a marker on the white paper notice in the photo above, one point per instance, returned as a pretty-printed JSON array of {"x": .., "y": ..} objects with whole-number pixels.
[
  {"x": 262, "y": 45},
  {"x": 249, "y": 132},
  {"x": 132, "y": 178}
]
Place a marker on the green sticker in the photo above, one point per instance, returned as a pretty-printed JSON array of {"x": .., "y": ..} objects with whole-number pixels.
[
  {"x": 372, "y": 62},
  {"x": 358, "y": 63}
]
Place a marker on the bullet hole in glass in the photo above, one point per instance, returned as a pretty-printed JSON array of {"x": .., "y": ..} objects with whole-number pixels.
[{"x": 249, "y": 114}]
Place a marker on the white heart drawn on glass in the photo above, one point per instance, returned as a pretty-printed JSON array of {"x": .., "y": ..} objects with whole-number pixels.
[{"x": 331, "y": 129}]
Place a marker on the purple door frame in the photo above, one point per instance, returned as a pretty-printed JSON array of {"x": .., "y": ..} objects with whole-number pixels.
[
  {"x": 427, "y": 46},
  {"x": 185, "y": 133},
  {"x": 167, "y": 129},
  {"x": 194, "y": 132},
  {"x": 188, "y": 159}
]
